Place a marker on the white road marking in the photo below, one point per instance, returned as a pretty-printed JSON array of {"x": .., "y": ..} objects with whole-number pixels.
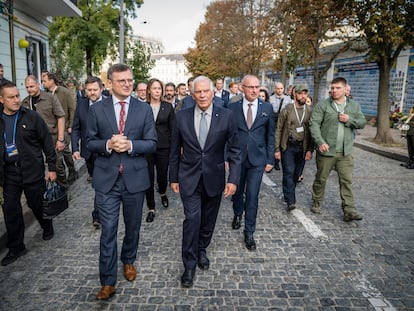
[
  {"x": 375, "y": 298},
  {"x": 309, "y": 225}
]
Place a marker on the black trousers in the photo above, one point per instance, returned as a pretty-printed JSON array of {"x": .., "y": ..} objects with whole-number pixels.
[
  {"x": 12, "y": 209},
  {"x": 160, "y": 161},
  {"x": 90, "y": 164},
  {"x": 410, "y": 147}
]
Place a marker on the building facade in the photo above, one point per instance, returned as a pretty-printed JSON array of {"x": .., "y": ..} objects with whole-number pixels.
[{"x": 170, "y": 68}]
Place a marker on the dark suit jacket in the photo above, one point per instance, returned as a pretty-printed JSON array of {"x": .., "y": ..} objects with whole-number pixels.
[
  {"x": 189, "y": 163},
  {"x": 139, "y": 128},
  {"x": 164, "y": 124},
  {"x": 257, "y": 144},
  {"x": 80, "y": 127},
  {"x": 225, "y": 96},
  {"x": 189, "y": 102}
]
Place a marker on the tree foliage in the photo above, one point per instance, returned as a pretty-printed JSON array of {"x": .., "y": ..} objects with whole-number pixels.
[
  {"x": 139, "y": 59},
  {"x": 81, "y": 44},
  {"x": 388, "y": 27},
  {"x": 234, "y": 39}
]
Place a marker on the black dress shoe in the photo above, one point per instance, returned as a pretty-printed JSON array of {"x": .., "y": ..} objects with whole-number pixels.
[
  {"x": 250, "y": 243},
  {"x": 150, "y": 216},
  {"x": 236, "y": 224},
  {"x": 12, "y": 256},
  {"x": 48, "y": 233},
  {"x": 187, "y": 278},
  {"x": 203, "y": 261},
  {"x": 164, "y": 201}
]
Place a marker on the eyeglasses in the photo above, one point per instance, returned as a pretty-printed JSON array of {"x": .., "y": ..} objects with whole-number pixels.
[
  {"x": 124, "y": 81},
  {"x": 252, "y": 87}
]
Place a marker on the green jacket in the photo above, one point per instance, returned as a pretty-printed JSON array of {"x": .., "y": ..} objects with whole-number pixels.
[
  {"x": 324, "y": 125},
  {"x": 282, "y": 130}
]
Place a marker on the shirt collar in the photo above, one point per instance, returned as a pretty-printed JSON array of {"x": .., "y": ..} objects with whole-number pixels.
[
  {"x": 116, "y": 100},
  {"x": 209, "y": 110}
]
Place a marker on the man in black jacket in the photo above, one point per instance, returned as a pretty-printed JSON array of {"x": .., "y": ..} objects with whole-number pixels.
[{"x": 26, "y": 136}]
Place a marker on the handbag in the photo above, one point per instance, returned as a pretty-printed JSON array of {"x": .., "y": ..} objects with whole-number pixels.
[{"x": 55, "y": 200}]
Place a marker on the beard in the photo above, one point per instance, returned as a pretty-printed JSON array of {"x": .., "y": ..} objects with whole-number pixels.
[{"x": 301, "y": 102}]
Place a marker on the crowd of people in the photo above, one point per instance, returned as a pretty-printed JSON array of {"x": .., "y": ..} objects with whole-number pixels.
[{"x": 202, "y": 140}]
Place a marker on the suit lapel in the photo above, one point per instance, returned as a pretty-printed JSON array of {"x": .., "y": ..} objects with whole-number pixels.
[
  {"x": 258, "y": 115},
  {"x": 109, "y": 111},
  {"x": 132, "y": 111}
]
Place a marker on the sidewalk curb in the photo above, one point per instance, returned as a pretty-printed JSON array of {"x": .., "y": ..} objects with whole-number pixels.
[
  {"x": 28, "y": 216},
  {"x": 385, "y": 153}
]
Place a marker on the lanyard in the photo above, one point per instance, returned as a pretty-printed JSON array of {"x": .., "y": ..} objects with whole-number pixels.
[
  {"x": 297, "y": 116},
  {"x": 14, "y": 129},
  {"x": 337, "y": 107}
]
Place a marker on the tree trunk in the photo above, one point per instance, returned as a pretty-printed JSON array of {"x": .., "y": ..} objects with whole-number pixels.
[
  {"x": 316, "y": 86},
  {"x": 383, "y": 115},
  {"x": 284, "y": 54},
  {"x": 88, "y": 63}
]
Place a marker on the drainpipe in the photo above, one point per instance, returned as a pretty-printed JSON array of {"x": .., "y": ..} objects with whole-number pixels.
[{"x": 11, "y": 35}]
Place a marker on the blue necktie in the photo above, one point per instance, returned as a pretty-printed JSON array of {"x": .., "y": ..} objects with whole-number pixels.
[{"x": 203, "y": 130}]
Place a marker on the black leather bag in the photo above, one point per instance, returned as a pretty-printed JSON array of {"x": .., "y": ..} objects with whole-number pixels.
[{"x": 55, "y": 200}]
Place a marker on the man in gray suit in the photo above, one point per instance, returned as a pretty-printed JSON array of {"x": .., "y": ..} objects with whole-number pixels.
[{"x": 121, "y": 131}]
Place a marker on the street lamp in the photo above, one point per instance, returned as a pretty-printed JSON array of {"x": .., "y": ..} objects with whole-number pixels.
[{"x": 121, "y": 32}]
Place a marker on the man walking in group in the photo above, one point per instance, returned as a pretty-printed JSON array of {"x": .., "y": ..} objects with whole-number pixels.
[
  {"x": 332, "y": 125},
  {"x": 93, "y": 92},
  {"x": 121, "y": 131},
  {"x": 201, "y": 137},
  {"x": 26, "y": 140},
  {"x": 50, "y": 82},
  {"x": 255, "y": 123},
  {"x": 293, "y": 142}
]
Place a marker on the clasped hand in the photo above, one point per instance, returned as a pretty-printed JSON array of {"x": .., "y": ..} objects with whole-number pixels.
[{"x": 119, "y": 143}]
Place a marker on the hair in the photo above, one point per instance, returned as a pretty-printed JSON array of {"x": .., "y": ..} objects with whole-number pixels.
[
  {"x": 93, "y": 79},
  {"x": 202, "y": 78},
  {"x": 248, "y": 77},
  {"x": 190, "y": 79},
  {"x": 150, "y": 83},
  {"x": 231, "y": 84},
  {"x": 1, "y": 65},
  {"x": 6, "y": 85},
  {"x": 31, "y": 77},
  {"x": 339, "y": 80},
  {"x": 266, "y": 94},
  {"x": 170, "y": 84},
  {"x": 54, "y": 77},
  {"x": 117, "y": 68}
]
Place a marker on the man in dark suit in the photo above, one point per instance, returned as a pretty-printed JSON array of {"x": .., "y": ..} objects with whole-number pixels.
[
  {"x": 121, "y": 131},
  {"x": 222, "y": 93},
  {"x": 256, "y": 130},
  {"x": 93, "y": 91},
  {"x": 197, "y": 171}
]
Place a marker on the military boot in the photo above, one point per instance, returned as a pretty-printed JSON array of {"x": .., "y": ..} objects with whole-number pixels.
[{"x": 316, "y": 208}]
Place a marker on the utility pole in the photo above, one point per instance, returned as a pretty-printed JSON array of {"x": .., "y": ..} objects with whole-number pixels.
[{"x": 121, "y": 32}]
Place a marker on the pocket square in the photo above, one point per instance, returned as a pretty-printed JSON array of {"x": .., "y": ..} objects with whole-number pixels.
[{"x": 264, "y": 114}]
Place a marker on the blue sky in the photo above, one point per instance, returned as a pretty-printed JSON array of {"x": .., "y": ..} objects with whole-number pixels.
[{"x": 173, "y": 22}]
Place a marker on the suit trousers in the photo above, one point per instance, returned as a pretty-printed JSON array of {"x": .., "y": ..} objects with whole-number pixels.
[
  {"x": 200, "y": 212},
  {"x": 293, "y": 162},
  {"x": 90, "y": 163},
  {"x": 160, "y": 161},
  {"x": 108, "y": 205},
  {"x": 344, "y": 166},
  {"x": 12, "y": 208},
  {"x": 64, "y": 159},
  {"x": 246, "y": 198},
  {"x": 410, "y": 147}
]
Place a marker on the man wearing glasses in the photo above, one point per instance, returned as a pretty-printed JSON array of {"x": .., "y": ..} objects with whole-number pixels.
[
  {"x": 121, "y": 131},
  {"x": 256, "y": 131}
]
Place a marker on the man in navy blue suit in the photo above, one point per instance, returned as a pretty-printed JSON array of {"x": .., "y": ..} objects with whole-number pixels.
[
  {"x": 197, "y": 171},
  {"x": 121, "y": 131},
  {"x": 256, "y": 130},
  {"x": 93, "y": 92},
  {"x": 222, "y": 93}
]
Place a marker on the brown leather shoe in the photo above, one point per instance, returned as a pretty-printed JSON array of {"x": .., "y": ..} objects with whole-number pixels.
[
  {"x": 130, "y": 272},
  {"x": 106, "y": 292}
]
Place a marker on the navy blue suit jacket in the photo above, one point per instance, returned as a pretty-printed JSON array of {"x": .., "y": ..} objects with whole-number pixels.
[
  {"x": 189, "y": 163},
  {"x": 225, "y": 96},
  {"x": 189, "y": 102},
  {"x": 139, "y": 128},
  {"x": 257, "y": 144},
  {"x": 80, "y": 127}
]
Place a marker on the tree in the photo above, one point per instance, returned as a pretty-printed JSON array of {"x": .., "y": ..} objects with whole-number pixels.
[
  {"x": 388, "y": 27},
  {"x": 139, "y": 59},
  {"x": 83, "y": 43},
  {"x": 234, "y": 39}
]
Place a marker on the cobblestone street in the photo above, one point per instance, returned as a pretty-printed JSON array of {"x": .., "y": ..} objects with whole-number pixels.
[{"x": 303, "y": 261}]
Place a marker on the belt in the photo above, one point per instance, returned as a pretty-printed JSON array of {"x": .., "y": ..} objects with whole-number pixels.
[{"x": 294, "y": 142}]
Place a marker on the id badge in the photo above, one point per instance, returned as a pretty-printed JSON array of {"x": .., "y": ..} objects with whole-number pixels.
[
  {"x": 11, "y": 150},
  {"x": 299, "y": 129}
]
